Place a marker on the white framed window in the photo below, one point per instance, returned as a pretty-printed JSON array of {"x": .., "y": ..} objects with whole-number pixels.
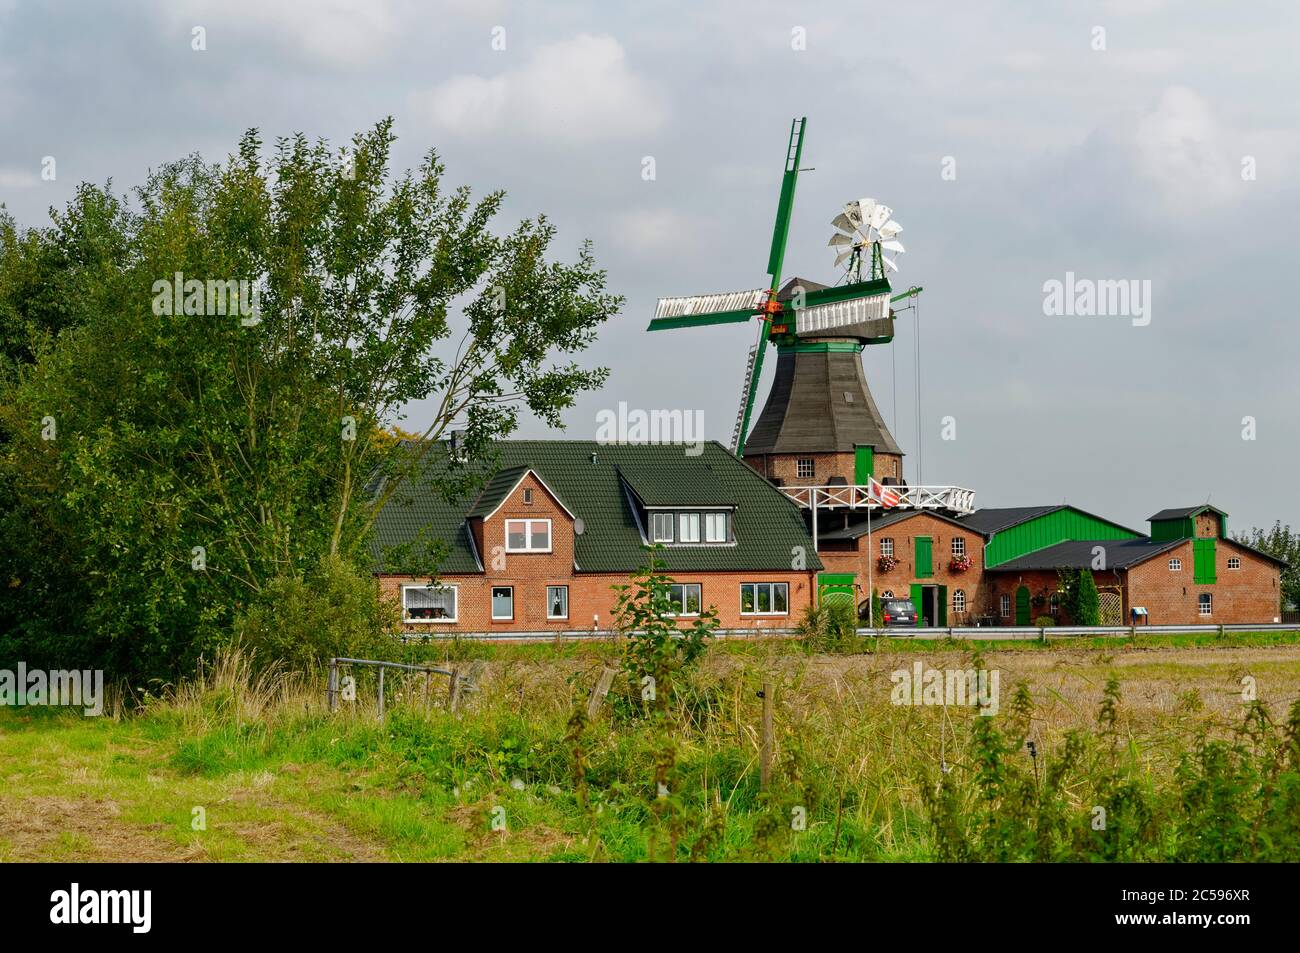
[
  {"x": 1205, "y": 602},
  {"x": 528, "y": 536},
  {"x": 715, "y": 527},
  {"x": 1004, "y": 604},
  {"x": 805, "y": 469},
  {"x": 685, "y": 597},
  {"x": 557, "y": 602},
  {"x": 887, "y": 546},
  {"x": 764, "y": 598},
  {"x": 661, "y": 527},
  {"x": 959, "y": 600},
  {"x": 688, "y": 527},
  {"x": 1055, "y": 603},
  {"x": 528, "y": 496},
  {"x": 1175, "y": 565},
  {"x": 1234, "y": 562},
  {"x": 959, "y": 546},
  {"x": 429, "y": 604},
  {"x": 503, "y": 603}
]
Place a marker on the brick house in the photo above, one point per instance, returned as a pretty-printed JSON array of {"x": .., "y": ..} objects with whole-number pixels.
[{"x": 539, "y": 547}]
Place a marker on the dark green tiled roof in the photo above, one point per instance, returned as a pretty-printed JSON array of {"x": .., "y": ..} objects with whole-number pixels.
[
  {"x": 768, "y": 527},
  {"x": 680, "y": 481}
]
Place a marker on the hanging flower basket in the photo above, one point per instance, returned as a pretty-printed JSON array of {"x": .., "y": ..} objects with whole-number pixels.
[
  {"x": 959, "y": 564},
  {"x": 886, "y": 563}
]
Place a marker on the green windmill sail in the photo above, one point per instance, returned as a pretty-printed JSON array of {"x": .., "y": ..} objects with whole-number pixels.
[{"x": 794, "y": 314}]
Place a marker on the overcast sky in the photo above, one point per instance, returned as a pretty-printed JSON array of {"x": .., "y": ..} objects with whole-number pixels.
[{"x": 1169, "y": 156}]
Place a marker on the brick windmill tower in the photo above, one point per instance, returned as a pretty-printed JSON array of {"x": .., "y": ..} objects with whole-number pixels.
[{"x": 820, "y": 425}]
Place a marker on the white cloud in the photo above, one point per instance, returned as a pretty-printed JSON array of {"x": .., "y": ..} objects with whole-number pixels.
[
  {"x": 11, "y": 178},
  {"x": 579, "y": 89},
  {"x": 330, "y": 32},
  {"x": 654, "y": 230}
]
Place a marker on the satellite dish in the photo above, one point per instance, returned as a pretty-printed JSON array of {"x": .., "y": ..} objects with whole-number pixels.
[
  {"x": 864, "y": 231},
  {"x": 578, "y": 526}
]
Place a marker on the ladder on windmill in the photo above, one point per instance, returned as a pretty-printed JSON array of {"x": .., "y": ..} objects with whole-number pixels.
[{"x": 745, "y": 388}]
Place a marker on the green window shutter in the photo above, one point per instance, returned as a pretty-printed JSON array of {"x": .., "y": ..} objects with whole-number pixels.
[
  {"x": 1203, "y": 572},
  {"x": 941, "y": 604},
  {"x": 924, "y": 560},
  {"x": 864, "y": 464}
]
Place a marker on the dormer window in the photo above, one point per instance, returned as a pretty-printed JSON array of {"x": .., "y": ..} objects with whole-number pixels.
[
  {"x": 690, "y": 527},
  {"x": 661, "y": 527}
]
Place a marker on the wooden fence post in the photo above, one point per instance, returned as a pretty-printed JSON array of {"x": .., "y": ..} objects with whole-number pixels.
[
  {"x": 599, "y": 691},
  {"x": 453, "y": 691},
  {"x": 765, "y": 762}
]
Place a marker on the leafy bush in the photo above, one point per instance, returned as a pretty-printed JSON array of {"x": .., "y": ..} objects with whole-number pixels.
[
  {"x": 830, "y": 627},
  {"x": 335, "y": 611},
  {"x": 1045, "y": 622}
]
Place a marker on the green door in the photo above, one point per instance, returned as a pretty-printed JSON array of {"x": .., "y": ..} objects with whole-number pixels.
[
  {"x": 917, "y": 589},
  {"x": 1203, "y": 561},
  {"x": 1022, "y": 606},
  {"x": 864, "y": 462},
  {"x": 924, "y": 560},
  {"x": 941, "y": 605}
]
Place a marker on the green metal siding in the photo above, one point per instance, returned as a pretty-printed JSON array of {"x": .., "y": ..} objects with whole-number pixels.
[
  {"x": 1048, "y": 530},
  {"x": 1203, "y": 571},
  {"x": 1164, "y": 530},
  {"x": 924, "y": 558}
]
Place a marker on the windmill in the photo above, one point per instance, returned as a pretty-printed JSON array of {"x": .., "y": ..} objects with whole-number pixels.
[{"x": 803, "y": 314}]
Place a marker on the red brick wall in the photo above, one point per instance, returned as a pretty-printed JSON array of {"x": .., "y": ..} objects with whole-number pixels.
[
  {"x": 784, "y": 467},
  {"x": 1043, "y": 583},
  {"x": 1207, "y": 524},
  {"x": 901, "y": 577},
  {"x": 591, "y": 600},
  {"x": 1249, "y": 594}
]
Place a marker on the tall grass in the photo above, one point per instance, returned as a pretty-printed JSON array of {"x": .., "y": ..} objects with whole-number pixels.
[{"x": 518, "y": 772}]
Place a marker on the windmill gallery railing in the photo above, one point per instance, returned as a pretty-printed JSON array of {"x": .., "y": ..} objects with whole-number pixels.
[{"x": 955, "y": 498}]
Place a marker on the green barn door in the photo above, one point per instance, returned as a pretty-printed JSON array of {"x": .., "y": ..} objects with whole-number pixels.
[
  {"x": 1022, "y": 606},
  {"x": 917, "y": 589},
  {"x": 941, "y": 606},
  {"x": 924, "y": 558},
  {"x": 1203, "y": 561},
  {"x": 864, "y": 464}
]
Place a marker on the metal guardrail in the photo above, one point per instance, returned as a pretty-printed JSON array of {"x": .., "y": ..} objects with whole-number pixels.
[{"x": 972, "y": 633}]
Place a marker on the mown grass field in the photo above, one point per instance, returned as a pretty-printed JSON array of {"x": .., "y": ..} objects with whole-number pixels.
[{"x": 515, "y": 776}]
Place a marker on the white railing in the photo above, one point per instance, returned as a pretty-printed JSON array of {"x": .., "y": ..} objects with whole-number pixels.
[{"x": 955, "y": 498}]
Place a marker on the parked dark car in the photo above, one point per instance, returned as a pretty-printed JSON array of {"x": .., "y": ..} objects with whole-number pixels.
[{"x": 896, "y": 612}]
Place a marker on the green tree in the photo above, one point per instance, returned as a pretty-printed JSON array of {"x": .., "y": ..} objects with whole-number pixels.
[
  {"x": 1087, "y": 601},
  {"x": 661, "y": 644},
  {"x": 208, "y": 452},
  {"x": 1281, "y": 543}
]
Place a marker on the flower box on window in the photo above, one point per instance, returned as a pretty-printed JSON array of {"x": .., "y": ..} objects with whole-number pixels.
[
  {"x": 887, "y": 563},
  {"x": 959, "y": 563}
]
